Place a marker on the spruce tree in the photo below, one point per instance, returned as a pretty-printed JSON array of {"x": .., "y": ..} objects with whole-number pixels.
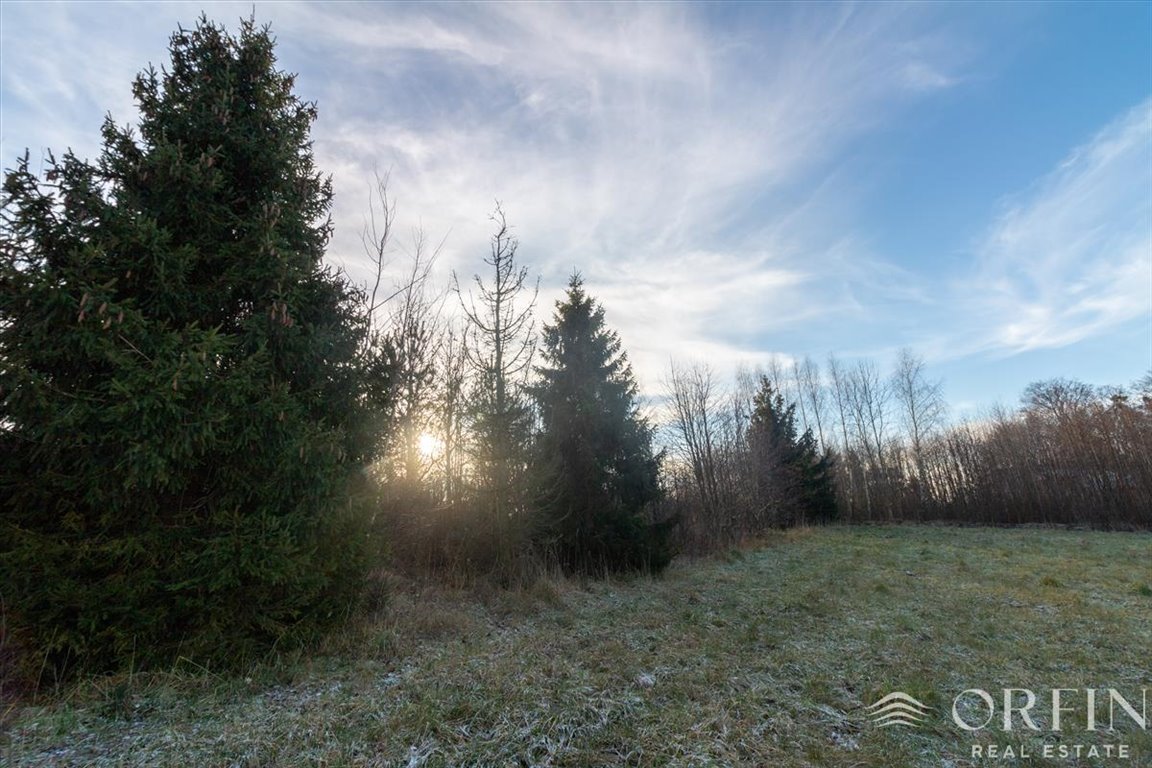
[
  {"x": 183, "y": 379},
  {"x": 596, "y": 469},
  {"x": 499, "y": 345},
  {"x": 793, "y": 481}
]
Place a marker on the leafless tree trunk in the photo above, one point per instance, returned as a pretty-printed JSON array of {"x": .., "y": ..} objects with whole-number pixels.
[
  {"x": 406, "y": 322},
  {"x": 693, "y": 399},
  {"x": 922, "y": 410},
  {"x": 415, "y": 334},
  {"x": 812, "y": 392},
  {"x": 377, "y": 238},
  {"x": 840, "y": 394},
  {"x": 450, "y": 412},
  {"x": 774, "y": 371},
  {"x": 863, "y": 398},
  {"x": 868, "y": 399}
]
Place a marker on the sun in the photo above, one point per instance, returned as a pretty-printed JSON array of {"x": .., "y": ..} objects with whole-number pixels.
[{"x": 430, "y": 445}]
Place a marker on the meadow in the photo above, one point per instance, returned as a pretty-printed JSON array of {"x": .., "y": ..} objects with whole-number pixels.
[{"x": 767, "y": 655}]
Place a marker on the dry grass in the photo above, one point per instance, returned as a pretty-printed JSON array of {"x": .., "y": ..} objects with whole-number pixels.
[{"x": 764, "y": 656}]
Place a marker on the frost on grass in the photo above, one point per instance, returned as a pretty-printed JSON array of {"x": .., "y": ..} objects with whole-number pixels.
[{"x": 768, "y": 659}]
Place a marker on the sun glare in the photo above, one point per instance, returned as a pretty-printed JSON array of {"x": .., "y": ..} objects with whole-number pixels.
[{"x": 430, "y": 445}]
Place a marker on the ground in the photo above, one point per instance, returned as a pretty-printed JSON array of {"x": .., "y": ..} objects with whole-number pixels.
[{"x": 768, "y": 656}]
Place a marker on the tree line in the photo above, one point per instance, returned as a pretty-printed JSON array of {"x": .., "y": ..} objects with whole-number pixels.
[
  {"x": 1070, "y": 454},
  {"x": 743, "y": 461},
  {"x": 533, "y": 460}
]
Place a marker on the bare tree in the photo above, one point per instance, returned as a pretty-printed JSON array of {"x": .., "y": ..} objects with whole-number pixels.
[
  {"x": 1058, "y": 398},
  {"x": 450, "y": 411},
  {"x": 921, "y": 404},
  {"x": 405, "y": 321},
  {"x": 1143, "y": 385},
  {"x": 774, "y": 372},
  {"x": 1074, "y": 454},
  {"x": 415, "y": 334},
  {"x": 848, "y": 463},
  {"x": 812, "y": 396},
  {"x": 693, "y": 399},
  {"x": 376, "y": 237},
  {"x": 868, "y": 399},
  {"x": 864, "y": 397}
]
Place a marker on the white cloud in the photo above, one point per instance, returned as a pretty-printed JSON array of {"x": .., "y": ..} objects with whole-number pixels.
[
  {"x": 922, "y": 77},
  {"x": 1072, "y": 258},
  {"x": 667, "y": 154},
  {"x": 629, "y": 142}
]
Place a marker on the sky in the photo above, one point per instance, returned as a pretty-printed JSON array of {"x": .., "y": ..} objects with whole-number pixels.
[{"x": 735, "y": 182}]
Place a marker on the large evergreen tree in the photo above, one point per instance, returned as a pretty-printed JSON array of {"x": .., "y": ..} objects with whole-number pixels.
[
  {"x": 793, "y": 480},
  {"x": 596, "y": 469},
  {"x": 181, "y": 376}
]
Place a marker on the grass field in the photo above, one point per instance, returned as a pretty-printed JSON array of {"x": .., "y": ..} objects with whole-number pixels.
[{"x": 765, "y": 657}]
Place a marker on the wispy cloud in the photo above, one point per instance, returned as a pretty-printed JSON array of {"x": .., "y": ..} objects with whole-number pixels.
[
  {"x": 1072, "y": 257},
  {"x": 922, "y": 77},
  {"x": 667, "y": 160},
  {"x": 673, "y": 153}
]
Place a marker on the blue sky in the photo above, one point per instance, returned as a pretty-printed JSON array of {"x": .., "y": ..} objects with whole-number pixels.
[{"x": 735, "y": 182}]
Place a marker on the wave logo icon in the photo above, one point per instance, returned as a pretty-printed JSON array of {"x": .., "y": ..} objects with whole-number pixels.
[{"x": 898, "y": 708}]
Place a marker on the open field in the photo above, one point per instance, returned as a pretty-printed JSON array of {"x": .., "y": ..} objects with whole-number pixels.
[{"x": 765, "y": 657}]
